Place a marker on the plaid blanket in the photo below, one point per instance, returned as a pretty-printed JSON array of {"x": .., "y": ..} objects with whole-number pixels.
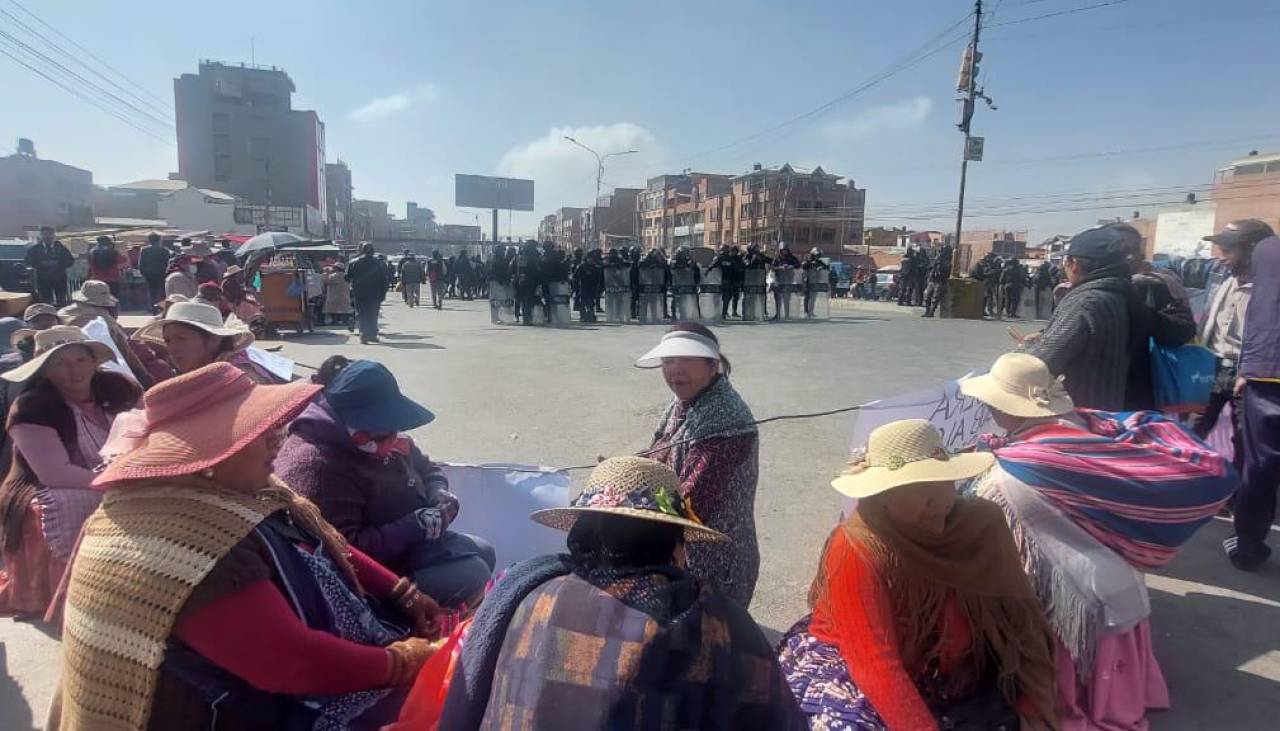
[
  {"x": 1136, "y": 481},
  {"x": 578, "y": 655}
]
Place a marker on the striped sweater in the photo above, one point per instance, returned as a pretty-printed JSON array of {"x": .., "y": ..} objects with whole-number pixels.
[{"x": 1087, "y": 342}]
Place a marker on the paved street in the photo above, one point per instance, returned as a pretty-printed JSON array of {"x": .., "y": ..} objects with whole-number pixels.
[{"x": 562, "y": 397}]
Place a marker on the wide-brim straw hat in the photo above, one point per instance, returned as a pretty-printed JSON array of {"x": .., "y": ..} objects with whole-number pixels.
[
  {"x": 38, "y": 309},
  {"x": 193, "y": 421},
  {"x": 51, "y": 341},
  {"x": 632, "y": 487},
  {"x": 96, "y": 293},
  {"x": 680, "y": 344},
  {"x": 905, "y": 453},
  {"x": 1020, "y": 384},
  {"x": 199, "y": 315}
]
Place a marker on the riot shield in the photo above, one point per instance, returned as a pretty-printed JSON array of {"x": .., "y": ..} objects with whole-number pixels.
[
  {"x": 817, "y": 294},
  {"x": 617, "y": 294},
  {"x": 559, "y": 304},
  {"x": 502, "y": 304},
  {"x": 651, "y": 294},
  {"x": 710, "y": 299},
  {"x": 753, "y": 294},
  {"x": 785, "y": 294},
  {"x": 684, "y": 293}
]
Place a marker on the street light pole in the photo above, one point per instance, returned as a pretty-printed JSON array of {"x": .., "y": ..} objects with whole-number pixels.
[{"x": 599, "y": 174}]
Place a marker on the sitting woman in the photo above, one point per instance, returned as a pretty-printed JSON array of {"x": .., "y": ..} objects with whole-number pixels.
[
  {"x": 708, "y": 436},
  {"x": 922, "y": 617},
  {"x": 348, "y": 453},
  {"x": 241, "y": 606},
  {"x": 93, "y": 301},
  {"x": 194, "y": 336},
  {"x": 1093, "y": 499},
  {"x": 56, "y": 426},
  {"x": 617, "y": 634}
]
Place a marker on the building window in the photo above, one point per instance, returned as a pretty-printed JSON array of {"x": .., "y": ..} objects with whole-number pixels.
[
  {"x": 222, "y": 166},
  {"x": 221, "y": 123},
  {"x": 222, "y": 144}
]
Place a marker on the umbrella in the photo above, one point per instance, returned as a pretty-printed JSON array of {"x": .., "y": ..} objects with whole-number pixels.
[{"x": 268, "y": 241}]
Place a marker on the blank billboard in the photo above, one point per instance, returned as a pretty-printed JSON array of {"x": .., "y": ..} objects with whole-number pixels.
[{"x": 482, "y": 191}]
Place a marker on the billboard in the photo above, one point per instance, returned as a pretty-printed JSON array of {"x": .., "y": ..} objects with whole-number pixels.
[{"x": 482, "y": 191}]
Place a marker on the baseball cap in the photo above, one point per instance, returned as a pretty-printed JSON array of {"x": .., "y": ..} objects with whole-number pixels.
[
  {"x": 1241, "y": 232},
  {"x": 1108, "y": 243}
]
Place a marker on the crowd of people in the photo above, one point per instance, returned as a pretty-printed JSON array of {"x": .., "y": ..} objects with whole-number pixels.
[{"x": 220, "y": 549}]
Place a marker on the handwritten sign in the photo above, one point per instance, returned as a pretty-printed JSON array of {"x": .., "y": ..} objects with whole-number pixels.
[{"x": 959, "y": 418}]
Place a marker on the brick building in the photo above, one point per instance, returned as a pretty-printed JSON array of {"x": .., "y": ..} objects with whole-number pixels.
[
  {"x": 763, "y": 206},
  {"x": 547, "y": 228},
  {"x": 568, "y": 231}
]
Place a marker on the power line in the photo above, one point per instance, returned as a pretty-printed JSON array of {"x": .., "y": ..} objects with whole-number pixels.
[
  {"x": 1058, "y": 13},
  {"x": 77, "y": 93},
  {"x": 88, "y": 53},
  {"x": 140, "y": 114}
]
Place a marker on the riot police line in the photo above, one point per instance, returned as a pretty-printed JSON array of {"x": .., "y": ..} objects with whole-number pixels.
[{"x": 539, "y": 284}]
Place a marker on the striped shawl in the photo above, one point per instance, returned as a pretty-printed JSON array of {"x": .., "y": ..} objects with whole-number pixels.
[{"x": 143, "y": 552}]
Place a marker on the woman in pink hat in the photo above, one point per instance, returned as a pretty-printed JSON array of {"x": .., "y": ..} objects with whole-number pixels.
[
  {"x": 57, "y": 426},
  {"x": 206, "y": 592}
]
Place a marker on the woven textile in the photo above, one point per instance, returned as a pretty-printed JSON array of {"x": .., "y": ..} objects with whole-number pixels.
[{"x": 143, "y": 552}]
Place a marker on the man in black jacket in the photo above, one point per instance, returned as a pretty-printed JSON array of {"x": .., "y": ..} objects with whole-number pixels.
[
  {"x": 49, "y": 261},
  {"x": 1087, "y": 339},
  {"x": 588, "y": 279},
  {"x": 528, "y": 277},
  {"x": 153, "y": 263},
  {"x": 1155, "y": 313},
  {"x": 368, "y": 278}
]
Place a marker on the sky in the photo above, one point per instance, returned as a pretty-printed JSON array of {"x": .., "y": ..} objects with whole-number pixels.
[{"x": 1128, "y": 105}]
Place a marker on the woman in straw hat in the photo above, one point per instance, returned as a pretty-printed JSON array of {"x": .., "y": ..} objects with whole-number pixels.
[
  {"x": 1094, "y": 498},
  {"x": 206, "y": 593},
  {"x": 194, "y": 336},
  {"x": 922, "y": 617},
  {"x": 708, "y": 436},
  {"x": 617, "y": 634},
  {"x": 93, "y": 301},
  {"x": 56, "y": 426}
]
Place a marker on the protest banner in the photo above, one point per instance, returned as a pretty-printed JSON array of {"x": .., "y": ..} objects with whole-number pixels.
[
  {"x": 959, "y": 418},
  {"x": 497, "y": 500}
]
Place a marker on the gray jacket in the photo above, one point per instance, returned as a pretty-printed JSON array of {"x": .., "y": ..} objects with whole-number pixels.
[{"x": 1087, "y": 342}]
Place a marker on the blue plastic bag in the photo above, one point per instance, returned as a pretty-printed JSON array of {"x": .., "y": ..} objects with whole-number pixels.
[{"x": 1182, "y": 376}]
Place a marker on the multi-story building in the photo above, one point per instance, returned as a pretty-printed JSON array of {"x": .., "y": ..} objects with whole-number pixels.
[
  {"x": 370, "y": 220},
  {"x": 35, "y": 193},
  {"x": 613, "y": 218},
  {"x": 458, "y": 232},
  {"x": 547, "y": 228},
  {"x": 568, "y": 230},
  {"x": 764, "y": 206},
  {"x": 338, "y": 190},
  {"x": 1248, "y": 188},
  {"x": 238, "y": 133},
  {"x": 422, "y": 221}
]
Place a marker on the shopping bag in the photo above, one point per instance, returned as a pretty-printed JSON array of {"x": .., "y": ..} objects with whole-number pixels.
[
  {"x": 1220, "y": 437},
  {"x": 1182, "y": 376},
  {"x": 422, "y": 708}
]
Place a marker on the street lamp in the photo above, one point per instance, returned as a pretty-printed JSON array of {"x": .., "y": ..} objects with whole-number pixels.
[{"x": 599, "y": 174}]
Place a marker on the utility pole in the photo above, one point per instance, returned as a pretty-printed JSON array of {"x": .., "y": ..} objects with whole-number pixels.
[
  {"x": 599, "y": 174},
  {"x": 968, "y": 86}
]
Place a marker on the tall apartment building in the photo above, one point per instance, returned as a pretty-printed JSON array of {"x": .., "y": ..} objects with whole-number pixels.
[
  {"x": 422, "y": 221},
  {"x": 612, "y": 218},
  {"x": 35, "y": 193},
  {"x": 547, "y": 228},
  {"x": 569, "y": 232},
  {"x": 238, "y": 133},
  {"x": 763, "y": 206},
  {"x": 338, "y": 190},
  {"x": 371, "y": 220}
]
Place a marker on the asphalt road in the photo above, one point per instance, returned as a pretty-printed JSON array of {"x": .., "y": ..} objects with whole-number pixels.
[{"x": 563, "y": 397}]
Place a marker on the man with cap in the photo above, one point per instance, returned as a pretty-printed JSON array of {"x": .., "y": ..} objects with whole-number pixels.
[
  {"x": 153, "y": 264},
  {"x": 368, "y": 279},
  {"x": 49, "y": 261},
  {"x": 1252, "y": 251},
  {"x": 1087, "y": 339}
]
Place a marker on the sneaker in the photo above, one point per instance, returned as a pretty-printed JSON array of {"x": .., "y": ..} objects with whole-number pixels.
[{"x": 1244, "y": 561}]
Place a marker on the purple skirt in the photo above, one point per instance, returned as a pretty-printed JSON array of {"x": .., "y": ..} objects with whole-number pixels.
[{"x": 819, "y": 679}]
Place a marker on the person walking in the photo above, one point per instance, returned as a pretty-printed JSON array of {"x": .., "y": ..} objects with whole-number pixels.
[
  {"x": 153, "y": 264},
  {"x": 105, "y": 264},
  {"x": 49, "y": 260},
  {"x": 1258, "y": 388},
  {"x": 368, "y": 277},
  {"x": 412, "y": 275},
  {"x": 1087, "y": 339},
  {"x": 337, "y": 295},
  {"x": 709, "y": 437}
]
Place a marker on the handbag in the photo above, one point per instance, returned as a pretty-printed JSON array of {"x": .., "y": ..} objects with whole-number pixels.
[{"x": 1182, "y": 376}]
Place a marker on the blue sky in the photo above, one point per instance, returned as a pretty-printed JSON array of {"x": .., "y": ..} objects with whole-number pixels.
[{"x": 1140, "y": 94}]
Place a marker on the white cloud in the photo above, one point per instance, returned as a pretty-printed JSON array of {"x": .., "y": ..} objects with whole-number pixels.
[
  {"x": 564, "y": 174},
  {"x": 904, "y": 115},
  {"x": 386, "y": 106}
]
